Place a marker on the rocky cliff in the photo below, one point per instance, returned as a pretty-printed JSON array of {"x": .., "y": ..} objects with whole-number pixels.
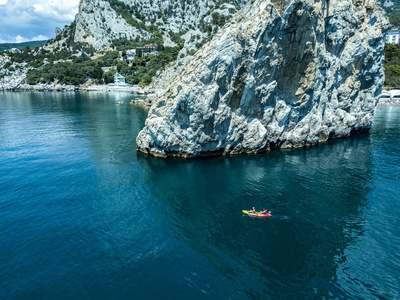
[
  {"x": 98, "y": 22},
  {"x": 280, "y": 75}
]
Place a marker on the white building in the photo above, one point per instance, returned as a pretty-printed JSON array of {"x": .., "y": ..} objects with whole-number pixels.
[
  {"x": 393, "y": 36},
  {"x": 392, "y": 96},
  {"x": 130, "y": 54},
  {"x": 119, "y": 80},
  {"x": 106, "y": 69}
]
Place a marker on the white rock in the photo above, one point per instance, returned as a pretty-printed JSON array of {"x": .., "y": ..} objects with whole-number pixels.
[
  {"x": 275, "y": 77},
  {"x": 97, "y": 23}
]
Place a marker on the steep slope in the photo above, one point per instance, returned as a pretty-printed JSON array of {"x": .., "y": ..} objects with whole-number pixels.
[
  {"x": 101, "y": 21},
  {"x": 392, "y": 9},
  {"x": 276, "y": 77},
  {"x": 391, "y": 6}
]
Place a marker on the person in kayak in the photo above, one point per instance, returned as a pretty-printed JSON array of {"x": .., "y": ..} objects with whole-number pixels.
[
  {"x": 265, "y": 211},
  {"x": 253, "y": 210}
]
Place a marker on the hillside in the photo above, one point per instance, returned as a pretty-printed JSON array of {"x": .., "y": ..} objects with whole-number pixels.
[
  {"x": 392, "y": 8},
  {"x": 99, "y": 22},
  {"x": 106, "y": 33},
  {"x": 31, "y": 44}
]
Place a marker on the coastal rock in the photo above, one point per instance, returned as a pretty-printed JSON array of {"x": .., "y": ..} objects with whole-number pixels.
[
  {"x": 278, "y": 76},
  {"x": 11, "y": 79}
]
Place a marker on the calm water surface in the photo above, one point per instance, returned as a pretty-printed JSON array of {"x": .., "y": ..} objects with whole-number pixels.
[{"x": 82, "y": 216}]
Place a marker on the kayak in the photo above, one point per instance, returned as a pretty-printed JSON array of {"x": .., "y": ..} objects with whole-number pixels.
[{"x": 256, "y": 214}]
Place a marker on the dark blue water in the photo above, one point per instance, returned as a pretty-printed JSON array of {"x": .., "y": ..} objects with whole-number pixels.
[{"x": 82, "y": 216}]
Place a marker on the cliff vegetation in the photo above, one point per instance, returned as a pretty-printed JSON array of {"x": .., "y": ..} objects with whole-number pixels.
[
  {"x": 176, "y": 28},
  {"x": 67, "y": 60}
]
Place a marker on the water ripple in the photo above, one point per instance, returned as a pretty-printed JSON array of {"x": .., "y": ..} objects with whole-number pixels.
[{"x": 79, "y": 208}]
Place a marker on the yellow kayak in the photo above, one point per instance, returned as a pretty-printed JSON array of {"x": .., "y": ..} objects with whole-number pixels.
[{"x": 256, "y": 214}]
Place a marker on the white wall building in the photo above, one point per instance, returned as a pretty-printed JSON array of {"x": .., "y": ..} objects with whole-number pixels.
[
  {"x": 119, "y": 80},
  {"x": 393, "y": 36},
  {"x": 130, "y": 54}
]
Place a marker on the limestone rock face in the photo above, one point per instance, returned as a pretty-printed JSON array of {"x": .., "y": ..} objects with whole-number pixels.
[
  {"x": 98, "y": 22},
  {"x": 275, "y": 77}
]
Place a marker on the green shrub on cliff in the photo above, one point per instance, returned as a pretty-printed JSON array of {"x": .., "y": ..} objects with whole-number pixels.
[
  {"x": 66, "y": 73},
  {"x": 144, "y": 68},
  {"x": 108, "y": 76},
  {"x": 392, "y": 65}
]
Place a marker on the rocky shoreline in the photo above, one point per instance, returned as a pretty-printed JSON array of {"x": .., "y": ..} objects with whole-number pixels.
[
  {"x": 44, "y": 87},
  {"x": 135, "y": 90},
  {"x": 39, "y": 88}
]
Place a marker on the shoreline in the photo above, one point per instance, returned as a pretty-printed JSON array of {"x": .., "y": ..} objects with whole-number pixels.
[
  {"x": 136, "y": 90},
  {"x": 388, "y": 104},
  {"x": 148, "y": 93}
]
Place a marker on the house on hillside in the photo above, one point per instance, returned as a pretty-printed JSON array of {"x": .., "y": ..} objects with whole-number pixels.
[
  {"x": 119, "y": 80},
  {"x": 130, "y": 54},
  {"x": 150, "y": 47},
  {"x": 106, "y": 69},
  {"x": 147, "y": 49},
  {"x": 393, "y": 36}
]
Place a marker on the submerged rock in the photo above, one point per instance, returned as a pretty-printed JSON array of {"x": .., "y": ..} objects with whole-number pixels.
[{"x": 276, "y": 77}]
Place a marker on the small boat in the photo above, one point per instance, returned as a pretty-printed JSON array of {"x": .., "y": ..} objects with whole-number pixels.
[{"x": 256, "y": 214}]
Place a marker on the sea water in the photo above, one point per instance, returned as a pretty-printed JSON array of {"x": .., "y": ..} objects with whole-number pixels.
[{"x": 83, "y": 216}]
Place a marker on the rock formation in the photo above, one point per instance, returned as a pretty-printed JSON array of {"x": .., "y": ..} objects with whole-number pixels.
[
  {"x": 57, "y": 31},
  {"x": 98, "y": 22},
  {"x": 280, "y": 75}
]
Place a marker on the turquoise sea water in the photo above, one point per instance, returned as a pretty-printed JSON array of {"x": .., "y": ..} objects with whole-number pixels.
[{"x": 82, "y": 216}]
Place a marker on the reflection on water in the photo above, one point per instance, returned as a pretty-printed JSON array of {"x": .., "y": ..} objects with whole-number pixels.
[
  {"x": 79, "y": 208},
  {"x": 320, "y": 191}
]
